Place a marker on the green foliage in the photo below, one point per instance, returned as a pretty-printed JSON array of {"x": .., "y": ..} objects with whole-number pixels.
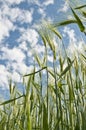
[
  {"x": 55, "y": 99},
  {"x": 79, "y": 22}
]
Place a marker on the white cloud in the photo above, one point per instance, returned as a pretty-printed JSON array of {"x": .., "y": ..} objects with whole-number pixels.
[
  {"x": 75, "y": 48},
  {"x": 23, "y": 46},
  {"x": 48, "y": 2},
  {"x": 64, "y": 7},
  {"x": 38, "y": 49},
  {"x": 50, "y": 58},
  {"x": 29, "y": 35},
  {"x": 42, "y": 12},
  {"x": 27, "y": 16},
  {"x": 15, "y": 66},
  {"x": 15, "y": 77},
  {"x": 41, "y": 4},
  {"x": 22, "y": 16},
  {"x": 71, "y": 34},
  {"x": 5, "y": 27},
  {"x": 14, "y": 54},
  {"x": 76, "y": 45},
  {"x": 13, "y": 1},
  {"x": 19, "y": 67},
  {"x": 15, "y": 59},
  {"x": 4, "y": 75},
  {"x": 33, "y": 1}
]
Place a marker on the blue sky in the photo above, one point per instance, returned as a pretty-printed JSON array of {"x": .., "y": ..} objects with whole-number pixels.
[{"x": 19, "y": 38}]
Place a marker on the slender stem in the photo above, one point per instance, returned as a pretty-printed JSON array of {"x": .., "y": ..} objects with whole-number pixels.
[
  {"x": 56, "y": 87},
  {"x": 47, "y": 84}
]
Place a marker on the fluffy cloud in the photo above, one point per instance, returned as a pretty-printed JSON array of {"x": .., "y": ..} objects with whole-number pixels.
[
  {"x": 75, "y": 43},
  {"x": 48, "y": 2},
  {"x": 4, "y": 76},
  {"x": 50, "y": 58},
  {"x": 10, "y": 2},
  {"x": 15, "y": 76},
  {"x": 21, "y": 68},
  {"x": 71, "y": 34},
  {"x": 23, "y": 46},
  {"x": 37, "y": 2},
  {"x": 15, "y": 58},
  {"x": 42, "y": 12},
  {"x": 76, "y": 47},
  {"x": 14, "y": 54},
  {"x": 5, "y": 27},
  {"x": 22, "y": 16},
  {"x": 41, "y": 4},
  {"x": 38, "y": 49},
  {"x": 10, "y": 15},
  {"x": 15, "y": 66},
  {"x": 29, "y": 35},
  {"x": 64, "y": 7}
]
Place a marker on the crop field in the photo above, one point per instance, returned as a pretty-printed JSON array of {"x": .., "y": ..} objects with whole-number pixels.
[{"x": 55, "y": 94}]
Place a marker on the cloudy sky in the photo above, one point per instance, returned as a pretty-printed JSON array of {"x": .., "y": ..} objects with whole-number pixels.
[{"x": 19, "y": 38}]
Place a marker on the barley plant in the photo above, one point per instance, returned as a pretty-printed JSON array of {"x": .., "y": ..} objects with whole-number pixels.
[{"x": 55, "y": 93}]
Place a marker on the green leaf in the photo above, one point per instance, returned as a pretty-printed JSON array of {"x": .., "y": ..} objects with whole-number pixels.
[
  {"x": 11, "y": 100},
  {"x": 66, "y": 69},
  {"x": 45, "y": 118},
  {"x": 51, "y": 72},
  {"x": 69, "y": 60},
  {"x": 80, "y": 24},
  {"x": 35, "y": 72},
  {"x": 29, "y": 124},
  {"x": 43, "y": 38},
  {"x": 77, "y": 126},
  {"x": 38, "y": 60},
  {"x": 84, "y": 14},
  {"x": 83, "y": 57},
  {"x": 80, "y": 7},
  {"x": 66, "y": 22},
  {"x": 57, "y": 123},
  {"x": 50, "y": 42},
  {"x": 55, "y": 31}
]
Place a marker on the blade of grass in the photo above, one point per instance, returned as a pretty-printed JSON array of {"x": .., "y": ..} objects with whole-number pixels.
[
  {"x": 35, "y": 72},
  {"x": 80, "y": 7},
  {"x": 66, "y": 22},
  {"x": 79, "y": 22},
  {"x": 11, "y": 100},
  {"x": 45, "y": 118},
  {"x": 66, "y": 69}
]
